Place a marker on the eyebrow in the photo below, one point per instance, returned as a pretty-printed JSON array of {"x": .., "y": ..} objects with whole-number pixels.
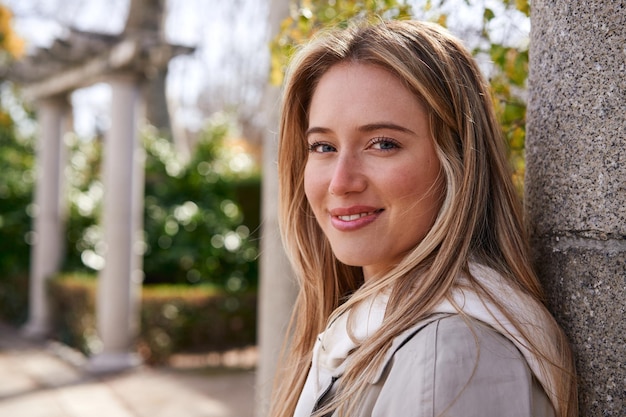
[{"x": 372, "y": 127}]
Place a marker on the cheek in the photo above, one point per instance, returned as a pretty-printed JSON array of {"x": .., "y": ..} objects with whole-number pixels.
[
  {"x": 424, "y": 189},
  {"x": 434, "y": 194},
  {"x": 431, "y": 175},
  {"x": 312, "y": 187}
]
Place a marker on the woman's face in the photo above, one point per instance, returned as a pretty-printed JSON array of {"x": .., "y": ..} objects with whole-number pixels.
[{"x": 372, "y": 176}]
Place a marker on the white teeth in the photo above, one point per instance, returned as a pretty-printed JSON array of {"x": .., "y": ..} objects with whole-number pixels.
[{"x": 353, "y": 216}]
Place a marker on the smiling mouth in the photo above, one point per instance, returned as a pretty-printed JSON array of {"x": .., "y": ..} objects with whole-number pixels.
[{"x": 352, "y": 217}]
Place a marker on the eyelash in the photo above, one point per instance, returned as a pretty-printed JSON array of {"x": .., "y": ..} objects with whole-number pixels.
[
  {"x": 382, "y": 139},
  {"x": 312, "y": 147}
]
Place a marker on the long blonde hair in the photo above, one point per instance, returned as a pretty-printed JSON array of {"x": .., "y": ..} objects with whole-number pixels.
[{"x": 480, "y": 218}]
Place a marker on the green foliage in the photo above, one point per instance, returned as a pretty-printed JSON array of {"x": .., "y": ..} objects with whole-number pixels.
[
  {"x": 85, "y": 190},
  {"x": 72, "y": 303},
  {"x": 309, "y": 16},
  {"x": 198, "y": 318},
  {"x": 14, "y": 298},
  {"x": 508, "y": 85},
  {"x": 509, "y": 69},
  {"x": 16, "y": 192},
  {"x": 195, "y": 230},
  {"x": 16, "y": 186},
  {"x": 174, "y": 318}
]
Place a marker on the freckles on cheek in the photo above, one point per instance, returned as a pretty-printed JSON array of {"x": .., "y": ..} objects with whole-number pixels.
[
  {"x": 312, "y": 184},
  {"x": 310, "y": 198}
]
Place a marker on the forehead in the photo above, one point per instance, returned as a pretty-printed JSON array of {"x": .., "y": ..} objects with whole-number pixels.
[
  {"x": 366, "y": 75},
  {"x": 362, "y": 91}
]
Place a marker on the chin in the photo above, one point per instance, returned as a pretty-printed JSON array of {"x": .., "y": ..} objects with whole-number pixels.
[
  {"x": 351, "y": 260},
  {"x": 354, "y": 259}
]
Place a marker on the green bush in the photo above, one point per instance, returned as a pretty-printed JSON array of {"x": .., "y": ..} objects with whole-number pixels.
[
  {"x": 72, "y": 305},
  {"x": 196, "y": 229},
  {"x": 183, "y": 318},
  {"x": 174, "y": 318},
  {"x": 14, "y": 298},
  {"x": 16, "y": 191},
  {"x": 195, "y": 226},
  {"x": 201, "y": 220}
]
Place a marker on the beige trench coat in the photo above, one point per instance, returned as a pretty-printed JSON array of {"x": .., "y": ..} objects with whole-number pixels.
[{"x": 445, "y": 367}]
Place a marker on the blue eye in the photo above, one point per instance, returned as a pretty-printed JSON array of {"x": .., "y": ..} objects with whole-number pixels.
[
  {"x": 384, "y": 144},
  {"x": 320, "y": 147}
]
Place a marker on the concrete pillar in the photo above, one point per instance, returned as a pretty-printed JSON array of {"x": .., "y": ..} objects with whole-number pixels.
[
  {"x": 47, "y": 249},
  {"x": 119, "y": 283},
  {"x": 576, "y": 185},
  {"x": 277, "y": 290},
  {"x": 155, "y": 100}
]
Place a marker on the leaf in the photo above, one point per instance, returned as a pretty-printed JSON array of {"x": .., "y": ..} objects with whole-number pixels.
[
  {"x": 488, "y": 14},
  {"x": 516, "y": 68},
  {"x": 443, "y": 20},
  {"x": 308, "y": 16},
  {"x": 10, "y": 42},
  {"x": 523, "y": 6}
]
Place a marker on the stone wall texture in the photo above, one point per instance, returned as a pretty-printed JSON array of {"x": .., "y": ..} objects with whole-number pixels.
[{"x": 576, "y": 185}]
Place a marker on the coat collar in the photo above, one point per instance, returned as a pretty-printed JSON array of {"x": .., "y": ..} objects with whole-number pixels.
[{"x": 400, "y": 341}]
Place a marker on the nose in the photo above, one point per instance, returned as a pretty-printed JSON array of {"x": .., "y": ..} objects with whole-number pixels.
[{"x": 347, "y": 176}]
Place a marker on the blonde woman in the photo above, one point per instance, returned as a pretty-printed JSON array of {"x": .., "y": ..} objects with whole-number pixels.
[{"x": 417, "y": 297}]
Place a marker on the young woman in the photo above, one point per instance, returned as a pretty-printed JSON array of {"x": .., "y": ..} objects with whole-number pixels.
[{"x": 398, "y": 213}]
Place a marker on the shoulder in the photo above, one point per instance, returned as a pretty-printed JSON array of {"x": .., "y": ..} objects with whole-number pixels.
[
  {"x": 458, "y": 366},
  {"x": 454, "y": 340}
]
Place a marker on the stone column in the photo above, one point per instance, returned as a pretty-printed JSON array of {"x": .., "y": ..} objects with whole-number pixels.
[
  {"x": 576, "y": 185},
  {"x": 120, "y": 280},
  {"x": 155, "y": 100},
  {"x": 48, "y": 247},
  {"x": 277, "y": 289}
]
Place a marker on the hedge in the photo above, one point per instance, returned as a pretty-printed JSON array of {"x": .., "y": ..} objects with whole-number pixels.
[
  {"x": 14, "y": 298},
  {"x": 174, "y": 318}
]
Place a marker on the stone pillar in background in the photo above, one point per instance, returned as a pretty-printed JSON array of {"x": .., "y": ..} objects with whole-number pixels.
[
  {"x": 119, "y": 283},
  {"x": 277, "y": 290},
  {"x": 48, "y": 246},
  {"x": 155, "y": 100},
  {"x": 576, "y": 185}
]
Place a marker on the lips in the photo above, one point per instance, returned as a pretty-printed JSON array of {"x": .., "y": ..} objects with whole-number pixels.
[{"x": 353, "y": 218}]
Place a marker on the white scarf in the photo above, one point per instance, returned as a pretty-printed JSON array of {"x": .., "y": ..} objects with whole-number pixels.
[{"x": 334, "y": 345}]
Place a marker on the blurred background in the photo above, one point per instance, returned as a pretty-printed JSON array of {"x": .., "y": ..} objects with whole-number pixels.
[{"x": 204, "y": 164}]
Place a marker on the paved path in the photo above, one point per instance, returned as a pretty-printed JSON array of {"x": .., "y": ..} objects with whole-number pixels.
[{"x": 43, "y": 380}]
